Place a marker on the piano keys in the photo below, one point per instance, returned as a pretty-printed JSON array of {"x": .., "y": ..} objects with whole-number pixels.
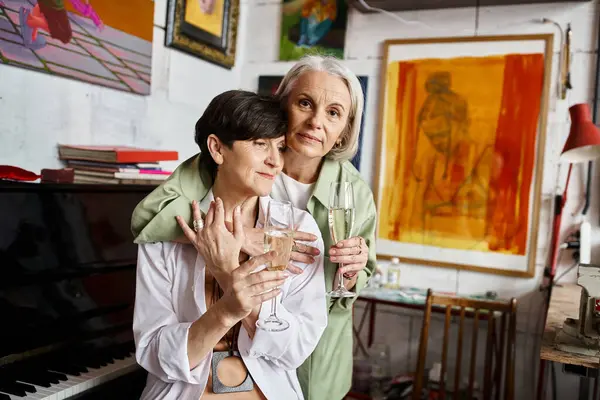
[
  {"x": 67, "y": 289},
  {"x": 65, "y": 386}
]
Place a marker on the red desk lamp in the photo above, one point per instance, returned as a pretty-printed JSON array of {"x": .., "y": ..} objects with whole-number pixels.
[{"x": 582, "y": 145}]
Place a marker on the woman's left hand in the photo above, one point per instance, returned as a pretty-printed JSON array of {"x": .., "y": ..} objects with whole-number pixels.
[
  {"x": 219, "y": 247},
  {"x": 353, "y": 253}
]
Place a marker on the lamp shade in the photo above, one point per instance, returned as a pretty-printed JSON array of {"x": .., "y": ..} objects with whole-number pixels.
[{"x": 583, "y": 143}]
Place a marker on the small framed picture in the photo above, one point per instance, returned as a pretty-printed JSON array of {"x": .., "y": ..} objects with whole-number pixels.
[{"x": 204, "y": 28}]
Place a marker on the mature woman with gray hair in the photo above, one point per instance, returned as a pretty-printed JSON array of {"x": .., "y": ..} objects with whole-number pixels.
[{"x": 324, "y": 104}]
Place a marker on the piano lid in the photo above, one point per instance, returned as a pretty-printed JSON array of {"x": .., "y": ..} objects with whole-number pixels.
[{"x": 67, "y": 266}]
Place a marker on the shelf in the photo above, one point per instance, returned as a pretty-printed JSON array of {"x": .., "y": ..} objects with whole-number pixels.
[{"x": 407, "y": 5}]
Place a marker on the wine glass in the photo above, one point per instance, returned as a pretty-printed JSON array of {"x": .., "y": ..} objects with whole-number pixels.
[
  {"x": 341, "y": 219},
  {"x": 278, "y": 228}
]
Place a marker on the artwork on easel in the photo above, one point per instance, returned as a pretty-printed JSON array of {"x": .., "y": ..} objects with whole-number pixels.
[
  {"x": 460, "y": 155},
  {"x": 106, "y": 42},
  {"x": 268, "y": 84}
]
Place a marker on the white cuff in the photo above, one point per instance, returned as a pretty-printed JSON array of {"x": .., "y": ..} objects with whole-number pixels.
[
  {"x": 173, "y": 357},
  {"x": 272, "y": 345}
]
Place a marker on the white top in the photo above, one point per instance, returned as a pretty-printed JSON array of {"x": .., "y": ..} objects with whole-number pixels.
[
  {"x": 286, "y": 188},
  {"x": 170, "y": 296}
]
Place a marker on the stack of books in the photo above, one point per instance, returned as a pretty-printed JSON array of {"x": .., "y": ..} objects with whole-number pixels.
[{"x": 116, "y": 164}]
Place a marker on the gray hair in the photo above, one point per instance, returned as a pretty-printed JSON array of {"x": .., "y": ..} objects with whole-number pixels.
[{"x": 349, "y": 137}]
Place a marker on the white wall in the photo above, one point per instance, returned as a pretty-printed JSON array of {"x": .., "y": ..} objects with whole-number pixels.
[
  {"x": 37, "y": 110},
  {"x": 363, "y": 52}
]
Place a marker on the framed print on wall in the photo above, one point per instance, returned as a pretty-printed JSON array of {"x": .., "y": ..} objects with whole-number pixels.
[
  {"x": 312, "y": 27},
  {"x": 460, "y": 153},
  {"x": 204, "y": 28},
  {"x": 268, "y": 84},
  {"x": 107, "y": 43}
]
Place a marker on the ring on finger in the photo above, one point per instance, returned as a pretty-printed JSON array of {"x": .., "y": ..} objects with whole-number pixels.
[
  {"x": 198, "y": 225},
  {"x": 295, "y": 248}
]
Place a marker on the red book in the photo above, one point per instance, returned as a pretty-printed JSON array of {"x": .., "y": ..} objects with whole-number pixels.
[{"x": 115, "y": 154}]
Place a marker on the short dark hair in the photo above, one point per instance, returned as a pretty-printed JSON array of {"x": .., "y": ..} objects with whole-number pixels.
[{"x": 238, "y": 115}]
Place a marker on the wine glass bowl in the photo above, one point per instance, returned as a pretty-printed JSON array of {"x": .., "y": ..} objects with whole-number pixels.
[
  {"x": 341, "y": 222},
  {"x": 278, "y": 229},
  {"x": 280, "y": 241}
]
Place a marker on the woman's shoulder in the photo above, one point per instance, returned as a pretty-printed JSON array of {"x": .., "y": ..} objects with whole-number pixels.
[{"x": 169, "y": 252}]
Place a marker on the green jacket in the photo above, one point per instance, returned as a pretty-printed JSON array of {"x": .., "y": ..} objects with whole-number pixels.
[{"x": 327, "y": 373}]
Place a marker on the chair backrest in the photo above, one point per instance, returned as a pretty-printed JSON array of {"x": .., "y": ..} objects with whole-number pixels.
[{"x": 499, "y": 363}]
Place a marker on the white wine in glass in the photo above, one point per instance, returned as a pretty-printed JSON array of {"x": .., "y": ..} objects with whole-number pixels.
[
  {"x": 280, "y": 241},
  {"x": 341, "y": 221},
  {"x": 278, "y": 227}
]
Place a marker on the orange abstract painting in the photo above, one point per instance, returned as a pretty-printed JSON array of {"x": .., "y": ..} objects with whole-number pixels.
[{"x": 460, "y": 151}]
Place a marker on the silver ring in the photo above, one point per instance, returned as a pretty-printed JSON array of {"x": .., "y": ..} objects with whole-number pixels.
[{"x": 198, "y": 225}]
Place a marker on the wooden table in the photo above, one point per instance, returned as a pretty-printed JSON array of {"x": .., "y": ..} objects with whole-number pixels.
[
  {"x": 564, "y": 303},
  {"x": 408, "y": 298}
]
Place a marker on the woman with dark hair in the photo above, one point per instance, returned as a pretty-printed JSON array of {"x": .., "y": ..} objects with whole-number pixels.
[
  {"x": 323, "y": 100},
  {"x": 197, "y": 304}
]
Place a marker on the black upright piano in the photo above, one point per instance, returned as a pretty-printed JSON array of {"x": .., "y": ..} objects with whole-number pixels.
[{"x": 67, "y": 289}]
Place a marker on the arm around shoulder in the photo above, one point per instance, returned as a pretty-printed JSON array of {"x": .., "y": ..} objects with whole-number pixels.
[{"x": 153, "y": 219}]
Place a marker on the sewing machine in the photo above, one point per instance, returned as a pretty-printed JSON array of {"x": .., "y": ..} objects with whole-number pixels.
[{"x": 582, "y": 336}]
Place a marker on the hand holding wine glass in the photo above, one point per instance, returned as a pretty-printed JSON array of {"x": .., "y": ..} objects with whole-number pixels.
[
  {"x": 247, "y": 289},
  {"x": 278, "y": 227},
  {"x": 341, "y": 221}
]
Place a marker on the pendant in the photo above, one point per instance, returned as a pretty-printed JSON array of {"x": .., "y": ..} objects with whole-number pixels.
[{"x": 220, "y": 387}]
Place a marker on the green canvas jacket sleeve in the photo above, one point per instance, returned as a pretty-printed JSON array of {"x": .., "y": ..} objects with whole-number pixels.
[{"x": 153, "y": 219}]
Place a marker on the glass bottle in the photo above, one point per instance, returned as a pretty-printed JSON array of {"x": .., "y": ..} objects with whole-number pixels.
[
  {"x": 393, "y": 274},
  {"x": 380, "y": 371}
]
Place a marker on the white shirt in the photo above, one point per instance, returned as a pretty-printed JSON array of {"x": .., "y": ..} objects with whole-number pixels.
[
  {"x": 170, "y": 296},
  {"x": 286, "y": 188}
]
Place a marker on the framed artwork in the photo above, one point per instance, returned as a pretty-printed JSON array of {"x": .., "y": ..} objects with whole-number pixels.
[
  {"x": 204, "y": 28},
  {"x": 268, "y": 84},
  {"x": 460, "y": 153},
  {"x": 107, "y": 43},
  {"x": 312, "y": 27}
]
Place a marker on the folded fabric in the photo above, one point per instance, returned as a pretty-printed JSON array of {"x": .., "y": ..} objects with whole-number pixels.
[{"x": 17, "y": 174}]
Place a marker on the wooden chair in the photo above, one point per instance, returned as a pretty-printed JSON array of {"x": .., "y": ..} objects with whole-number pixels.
[{"x": 499, "y": 354}]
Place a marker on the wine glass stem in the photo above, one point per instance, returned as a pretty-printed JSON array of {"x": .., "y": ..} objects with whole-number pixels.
[
  {"x": 340, "y": 278},
  {"x": 273, "y": 308}
]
